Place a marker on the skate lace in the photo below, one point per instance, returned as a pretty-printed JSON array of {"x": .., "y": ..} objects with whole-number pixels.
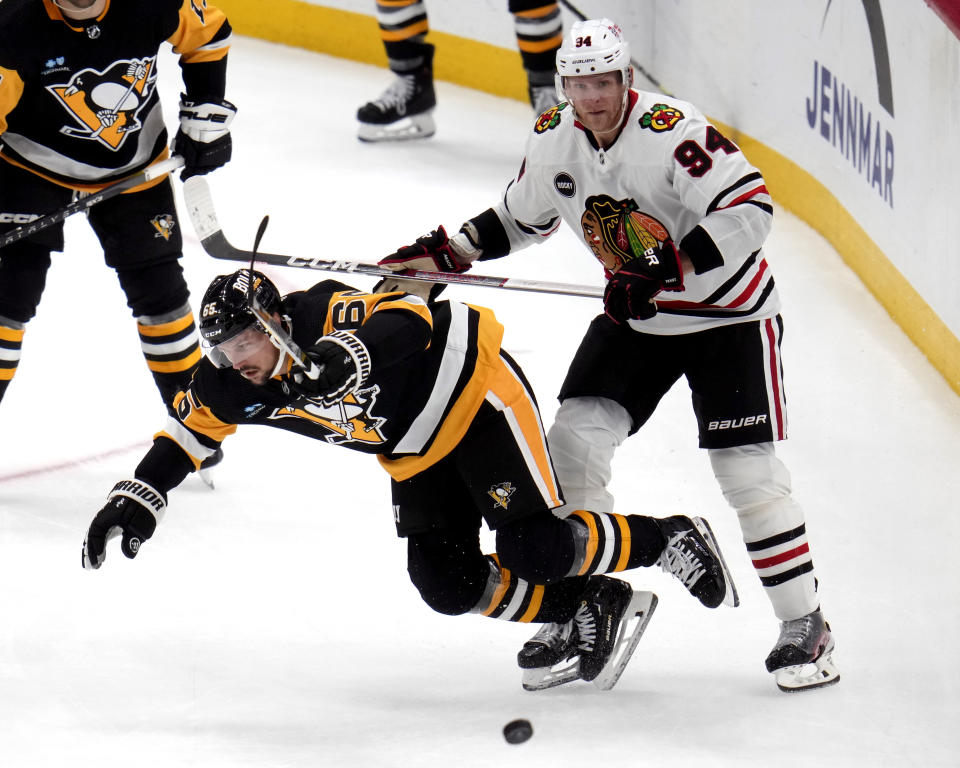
[
  {"x": 586, "y": 626},
  {"x": 397, "y": 95},
  {"x": 681, "y": 561},
  {"x": 797, "y": 632}
]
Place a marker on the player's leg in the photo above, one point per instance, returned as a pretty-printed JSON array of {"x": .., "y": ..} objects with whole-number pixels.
[
  {"x": 405, "y": 109},
  {"x": 539, "y": 29},
  {"x": 141, "y": 238},
  {"x": 741, "y": 410},
  {"x": 24, "y": 197}
]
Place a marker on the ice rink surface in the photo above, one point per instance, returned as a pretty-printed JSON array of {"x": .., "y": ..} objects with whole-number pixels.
[{"x": 270, "y": 622}]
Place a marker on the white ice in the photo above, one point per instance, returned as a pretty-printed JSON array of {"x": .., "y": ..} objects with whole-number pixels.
[{"x": 270, "y": 622}]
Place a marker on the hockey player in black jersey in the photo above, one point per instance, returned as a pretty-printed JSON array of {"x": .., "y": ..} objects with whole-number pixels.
[
  {"x": 677, "y": 216},
  {"x": 79, "y": 110},
  {"x": 450, "y": 416}
]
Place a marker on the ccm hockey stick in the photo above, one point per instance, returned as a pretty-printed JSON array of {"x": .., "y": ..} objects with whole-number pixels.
[
  {"x": 636, "y": 65},
  {"x": 196, "y": 194},
  {"x": 280, "y": 337},
  {"x": 88, "y": 201}
]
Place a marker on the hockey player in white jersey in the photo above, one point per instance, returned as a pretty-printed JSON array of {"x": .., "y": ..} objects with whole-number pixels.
[{"x": 677, "y": 217}]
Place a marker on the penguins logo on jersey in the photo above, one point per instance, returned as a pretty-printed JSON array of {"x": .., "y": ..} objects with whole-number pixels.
[
  {"x": 501, "y": 494},
  {"x": 348, "y": 421},
  {"x": 549, "y": 119},
  {"x": 661, "y": 117},
  {"x": 164, "y": 224},
  {"x": 617, "y": 231},
  {"x": 106, "y": 104}
]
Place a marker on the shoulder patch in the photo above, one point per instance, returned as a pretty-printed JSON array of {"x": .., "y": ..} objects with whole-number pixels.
[
  {"x": 549, "y": 119},
  {"x": 661, "y": 117}
]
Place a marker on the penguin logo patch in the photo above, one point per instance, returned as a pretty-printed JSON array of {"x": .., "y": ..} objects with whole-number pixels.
[
  {"x": 164, "y": 224},
  {"x": 105, "y": 105},
  {"x": 501, "y": 494}
]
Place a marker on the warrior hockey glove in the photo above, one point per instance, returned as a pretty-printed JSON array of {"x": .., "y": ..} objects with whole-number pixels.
[
  {"x": 434, "y": 252},
  {"x": 630, "y": 290},
  {"x": 204, "y": 136},
  {"x": 344, "y": 364},
  {"x": 133, "y": 509}
]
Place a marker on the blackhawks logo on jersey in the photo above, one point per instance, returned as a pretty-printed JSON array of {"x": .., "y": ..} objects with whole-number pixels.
[
  {"x": 660, "y": 118},
  {"x": 618, "y": 231},
  {"x": 549, "y": 119},
  {"x": 106, "y": 104},
  {"x": 349, "y": 421}
]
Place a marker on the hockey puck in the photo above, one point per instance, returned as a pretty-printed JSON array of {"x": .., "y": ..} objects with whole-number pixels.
[{"x": 517, "y": 731}]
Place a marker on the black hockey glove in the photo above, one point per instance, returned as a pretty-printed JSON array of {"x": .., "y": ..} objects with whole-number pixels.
[
  {"x": 344, "y": 364},
  {"x": 204, "y": 136},
  {"x": 132, "y": 510},
  {"x": 630, "y": 290},
  {"x": 433, "y": 252}
]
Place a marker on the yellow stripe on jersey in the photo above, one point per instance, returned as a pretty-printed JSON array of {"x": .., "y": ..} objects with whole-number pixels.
[
  {"x": 176, "y": 366},
  {"x": 200, "y": 419},
  {"x": 592, "y": 540},
  {"x": 460, "y": 416},
  {"x": 397, "y": 35},
  {"x": 536, "y": 600},
  {"x": 11, "y": 89},
  {"x": 539, "y": 46},
  {"x": 536, "y": 13},
  {"x": 197, "y": 38},
  {"x": 165, "y": 329},
  {"x": 11, "y": 334},
  {"x": 348, "y": 310}
]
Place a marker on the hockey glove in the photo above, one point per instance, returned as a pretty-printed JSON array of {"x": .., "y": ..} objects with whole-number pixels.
[
  {"x": 344, "y": 364},
  {"x": 133, "y": 509},
  {"x": 204, "y": 136},
  {"x": 434, "y": 252},
  {"x": 630, "y": 290}
]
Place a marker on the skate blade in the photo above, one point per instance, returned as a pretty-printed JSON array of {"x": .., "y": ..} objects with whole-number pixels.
[
  {"x": 805, "y": 677},
  {"x": 206, "y": 475},
  {"x": 414, "y": 127},
  {"x": 541, "y": 678},
  {"x": 731, "y": 597},
  {"x": 640, "y": 609}
]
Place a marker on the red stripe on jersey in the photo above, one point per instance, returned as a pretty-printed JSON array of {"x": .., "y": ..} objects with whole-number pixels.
[
  {"x": 762, "y": 189},
  {"x": 741, "y": 299},
  {"x": 783, "y": 557},
  {"x": 774, "y": 376}
]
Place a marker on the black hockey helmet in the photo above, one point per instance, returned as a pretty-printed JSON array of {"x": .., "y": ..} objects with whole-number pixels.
[{"x": 225, "y": 311}]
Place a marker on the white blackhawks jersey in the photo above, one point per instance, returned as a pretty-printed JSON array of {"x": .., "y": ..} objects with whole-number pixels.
[{"x": 670, "y": 174}]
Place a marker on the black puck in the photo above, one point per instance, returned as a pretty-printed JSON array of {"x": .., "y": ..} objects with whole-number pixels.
[{"x": 517, "y": 731}]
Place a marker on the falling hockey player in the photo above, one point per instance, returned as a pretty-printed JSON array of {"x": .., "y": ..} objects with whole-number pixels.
[
  {"x": 673, "y": 210},
  {"x": 452, "y": 419}
]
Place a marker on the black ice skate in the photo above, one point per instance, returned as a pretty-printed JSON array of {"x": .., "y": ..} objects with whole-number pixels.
[
  {"x": 595, "y": 645},
  {"x": 403, "y": 111},
  {"x": 803, "y": 656},
  {"x": 693, "y": 556},
  {"x": 207, "y": 465},
  {"x": 550, "y": 657}
]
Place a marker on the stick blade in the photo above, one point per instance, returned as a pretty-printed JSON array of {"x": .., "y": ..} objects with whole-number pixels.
[{"x": 196, "y": 194}]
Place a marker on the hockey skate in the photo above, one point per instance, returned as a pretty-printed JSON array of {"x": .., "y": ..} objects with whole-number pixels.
[
  {"x": 803, "y": 656},
  {"x": 597, "y": 644},
  {"x": 403, "y": 111},
  {"x": 207, "y": 465},
  {"x": 542, "y": 97},
  {"x": 693, "y": 556}
]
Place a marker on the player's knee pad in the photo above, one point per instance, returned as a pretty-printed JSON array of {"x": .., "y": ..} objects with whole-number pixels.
[
  {"x": 538, "y": 548},
  {"x": 583, "y": 439},
  {"x": 154, "y": 289},
  {"x": 23, "y": 276},
  {"x": 750, "y": 474},
  {"x": 449, "y": 579}
]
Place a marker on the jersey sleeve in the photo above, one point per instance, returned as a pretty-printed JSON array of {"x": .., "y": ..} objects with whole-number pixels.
[
  {"x": 195, "y": 428},
  {"x": 11, "y": 89},
  {"x": 202, "y": 39},
  {"x": 525, "y": 214},
  {"x": 713, "y": 178}
]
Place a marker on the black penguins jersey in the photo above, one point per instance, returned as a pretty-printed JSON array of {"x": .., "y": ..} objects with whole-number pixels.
[
  {"x": 78, "y": 99},
  {"x": 430, "y": 372}
]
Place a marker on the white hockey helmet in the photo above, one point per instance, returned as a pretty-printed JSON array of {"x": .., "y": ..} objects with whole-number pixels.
[{"x": 594, "y": 46}]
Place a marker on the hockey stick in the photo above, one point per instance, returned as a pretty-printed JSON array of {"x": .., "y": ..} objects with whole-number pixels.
[
  {"x": 196, "y": 194},
  {"x": 281, "y": 337},
  {"x": 636, "y": 64},
  {"x": 88, "y": 201}
]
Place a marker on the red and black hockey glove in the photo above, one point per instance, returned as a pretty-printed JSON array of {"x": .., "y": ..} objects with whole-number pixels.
[
  {"x": 630, "y": 290},
  {"x": 431, "y": 253}
]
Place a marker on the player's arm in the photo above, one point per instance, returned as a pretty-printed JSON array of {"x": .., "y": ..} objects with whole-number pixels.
[
  {"x": 712, "y": 177},
  {"x": 135, "y": 506},
  {"x": 202, "y": 38},
  {"x": 11, "y": 89}
]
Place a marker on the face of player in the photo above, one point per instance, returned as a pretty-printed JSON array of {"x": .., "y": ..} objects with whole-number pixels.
[
  {"x": 81, "y": 9},
  {"x": 251, "y": 354},
  {"x": 598, "y": 101}
]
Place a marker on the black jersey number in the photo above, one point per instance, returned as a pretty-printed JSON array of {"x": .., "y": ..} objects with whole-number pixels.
[
  {"x": 348, "y": 314},
  {"x": 695, "y": 159}
]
